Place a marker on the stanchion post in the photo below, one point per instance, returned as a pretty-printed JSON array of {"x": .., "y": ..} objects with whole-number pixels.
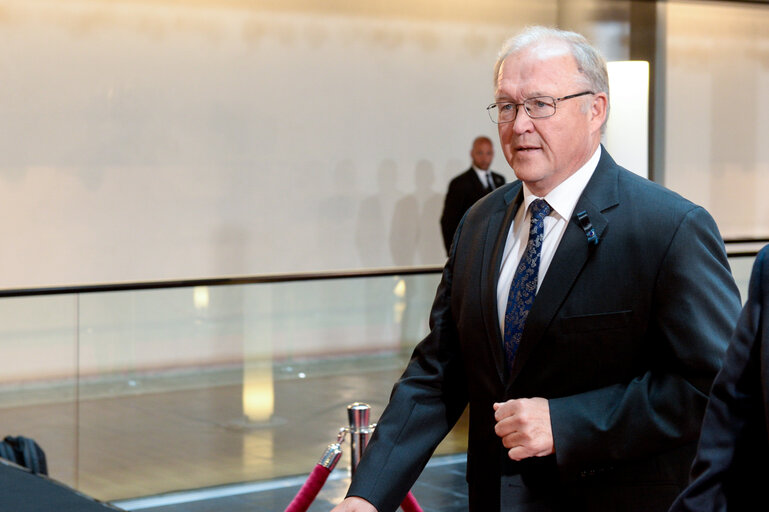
[{"x": 358, "y": 414}]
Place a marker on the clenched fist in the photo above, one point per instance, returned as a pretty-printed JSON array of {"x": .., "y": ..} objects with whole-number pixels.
[{"x": 524, "y": 426}]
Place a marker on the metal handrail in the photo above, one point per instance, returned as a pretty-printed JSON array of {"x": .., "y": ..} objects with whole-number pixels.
[
  {"x": 278, "y": 278},
  {"x": 218, "y": 281}
]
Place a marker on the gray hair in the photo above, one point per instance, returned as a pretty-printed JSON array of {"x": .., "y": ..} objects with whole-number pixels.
[{"x": 590, "y": 63}]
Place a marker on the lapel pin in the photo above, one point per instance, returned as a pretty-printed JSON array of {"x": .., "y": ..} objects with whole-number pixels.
[{"x": 587, "y": 227}]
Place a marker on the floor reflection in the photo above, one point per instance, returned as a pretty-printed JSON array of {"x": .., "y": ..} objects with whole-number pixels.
[{"x": 164, "y": 438}]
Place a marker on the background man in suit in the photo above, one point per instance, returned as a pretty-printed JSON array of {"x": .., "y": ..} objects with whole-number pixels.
[
  {"x": 589, "y": 396},
  {"x": 730, "y": 471},
  {"x": 468, "y": 187}
]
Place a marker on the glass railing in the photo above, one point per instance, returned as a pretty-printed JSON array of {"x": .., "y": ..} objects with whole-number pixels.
[
  {"x": 145, "y": 390},
  {"x": 142, "y": 389}
]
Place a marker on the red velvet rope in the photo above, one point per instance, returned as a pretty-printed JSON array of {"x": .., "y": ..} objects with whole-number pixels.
[
  {"x": 309, "y": 490},
  {"x": 409, "y": 504},
  {"x": 314, "y": 483}
]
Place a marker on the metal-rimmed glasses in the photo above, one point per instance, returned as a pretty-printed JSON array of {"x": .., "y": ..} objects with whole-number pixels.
[{"x": 537, "y": 107}]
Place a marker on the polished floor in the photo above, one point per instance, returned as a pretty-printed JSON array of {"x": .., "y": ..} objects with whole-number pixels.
[
  {"x": 149, "y": 435},
  {"x": 440, "y": 488}
]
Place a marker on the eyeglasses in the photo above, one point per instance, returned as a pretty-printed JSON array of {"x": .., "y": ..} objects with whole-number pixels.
[{"x": 536, "y": 108}]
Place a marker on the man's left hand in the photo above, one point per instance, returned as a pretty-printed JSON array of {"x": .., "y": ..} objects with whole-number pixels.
[{"x": 524, "y": 426}]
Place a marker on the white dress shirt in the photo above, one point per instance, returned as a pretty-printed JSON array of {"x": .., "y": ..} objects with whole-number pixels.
[
  {"x": 485, "y": 177},
  {"x": 562, "y": 200}
]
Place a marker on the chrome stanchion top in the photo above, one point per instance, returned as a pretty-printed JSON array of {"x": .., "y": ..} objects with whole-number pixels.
[{"x": 358, "y": 414}]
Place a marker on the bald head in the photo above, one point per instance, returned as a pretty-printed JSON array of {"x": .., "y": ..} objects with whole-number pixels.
[{"x": 482, "y": 153}]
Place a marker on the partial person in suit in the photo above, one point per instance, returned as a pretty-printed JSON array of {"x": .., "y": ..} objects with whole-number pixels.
[
  {"x": 468, "y": 187},
  {"x": 730, "y": 470},
  {"x": 589, "y": 395}
]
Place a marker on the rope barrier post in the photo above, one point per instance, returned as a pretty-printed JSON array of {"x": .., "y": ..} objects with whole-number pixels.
[{"x": 358, "y": 414}]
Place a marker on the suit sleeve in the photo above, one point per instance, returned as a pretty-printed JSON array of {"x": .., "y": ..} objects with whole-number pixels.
[
  {"x": 729, "y": 471},
  {"x": 694, "y": 306},
  {"x": 424, "y": 405}
]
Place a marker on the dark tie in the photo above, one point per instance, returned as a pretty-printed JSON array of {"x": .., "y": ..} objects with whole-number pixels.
[
  {"x": 524, "y": 286},
  {"x": 489, "y": 182}
]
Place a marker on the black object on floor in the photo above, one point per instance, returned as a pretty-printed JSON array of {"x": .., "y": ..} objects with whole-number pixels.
[
  {"x": 24, "y": 452},
  {"x": 23, "y": 491}
]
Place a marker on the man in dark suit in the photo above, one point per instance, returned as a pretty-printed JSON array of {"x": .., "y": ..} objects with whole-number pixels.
[
  {"x": 730, "y": 470},
  {"x": 468, "y": 187},
  {"x": 589, "y": 395}
]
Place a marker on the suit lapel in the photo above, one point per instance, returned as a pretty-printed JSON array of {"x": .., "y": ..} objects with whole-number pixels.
[
  {"x": 570, "y": 257},
  {"x": 496, "y": 237}
]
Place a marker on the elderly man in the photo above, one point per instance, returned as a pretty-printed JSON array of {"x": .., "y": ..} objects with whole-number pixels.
[
  {"x": 468, "y": 187},
  {"x": 582, "y": 314}
]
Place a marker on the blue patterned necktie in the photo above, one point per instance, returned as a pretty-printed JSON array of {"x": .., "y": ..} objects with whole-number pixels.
[{"x": 524, "y": 286}]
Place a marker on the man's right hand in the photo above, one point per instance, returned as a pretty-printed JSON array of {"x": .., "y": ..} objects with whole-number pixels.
[{"x": 354, "y": 504}]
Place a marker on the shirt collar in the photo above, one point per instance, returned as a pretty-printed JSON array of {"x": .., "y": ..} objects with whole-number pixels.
[
  {"x": 483, "y": 176},
  {"x": 563, "y": 198}
]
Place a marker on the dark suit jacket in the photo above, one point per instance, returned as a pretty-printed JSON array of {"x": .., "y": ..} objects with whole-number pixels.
[
  {"x": 730, "y": 471},
  {"x": 624, "y": 339},
  {"x": 464, "y": 191}
]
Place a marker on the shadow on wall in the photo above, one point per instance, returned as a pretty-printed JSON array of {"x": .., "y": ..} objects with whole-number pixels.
[
  {"x": 371, "y": 228},
  {"x": 413, "y": 234},
  {"x": 415, "y": 237},
  {"x": 430, "y": 246}
]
